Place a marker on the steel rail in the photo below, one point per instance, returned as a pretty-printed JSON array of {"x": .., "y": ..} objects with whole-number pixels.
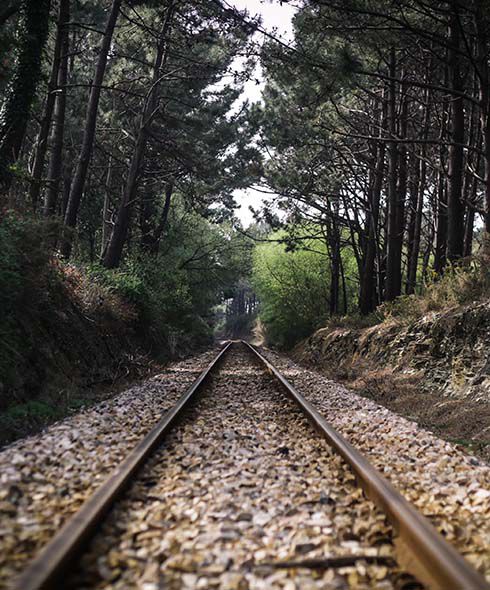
[
  {"x": 437, "y": 563},
  {"x": 46, "y": 570}
]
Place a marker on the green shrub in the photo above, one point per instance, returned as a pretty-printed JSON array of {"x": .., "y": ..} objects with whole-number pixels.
[
  {"x": 293, "y": 290},
  {"x": 462, "y": 284},
  {"x": 126, "y": 282},
  {"x": 161, "y": 293},
  {"x": 293, "y": 287},
  {"x": 28, "y": 279}
]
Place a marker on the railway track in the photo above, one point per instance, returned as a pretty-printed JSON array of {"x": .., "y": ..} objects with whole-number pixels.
[{"x": 245, "y": 494}]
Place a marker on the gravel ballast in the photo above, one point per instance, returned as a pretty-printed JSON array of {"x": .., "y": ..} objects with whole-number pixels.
[
  {"x": 243, "y": 483},
  {"x": 448, "y": 486},
  {"x": 45, "y": 478},
  {"x": 240, "y": 484}
]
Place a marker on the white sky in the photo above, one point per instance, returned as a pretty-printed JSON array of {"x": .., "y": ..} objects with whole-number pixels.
[{"x": 277, "y": 18}]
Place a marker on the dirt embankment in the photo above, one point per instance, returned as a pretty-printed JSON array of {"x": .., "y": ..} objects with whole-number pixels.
[
  {"x": 78, "y": 344},
  {"x": 435, "y": 371}
]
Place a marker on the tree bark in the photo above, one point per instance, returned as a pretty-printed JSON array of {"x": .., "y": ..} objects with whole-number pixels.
[
  {"x": 105, "y": 210},
  {"x": 22, "y": 89},
  {"x": 393, "y": 257},
  {"x": 455, "y": 205},
  {"x": 481, "y": 26},
  {"x": 157, "y": 235},
  {"x": 367, "y": 294},
  {"x": 80, "y": 176},
  {"x": 421, "y": 176},
  {"x": 440, "y": 206},
  {"x": 441, "y": 233},
  {"x": 58, "y": 130}
]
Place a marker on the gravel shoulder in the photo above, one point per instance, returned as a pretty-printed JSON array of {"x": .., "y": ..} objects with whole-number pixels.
[
  {"x": 448, "y": 486},
  {"x": 46, "y": 477}
]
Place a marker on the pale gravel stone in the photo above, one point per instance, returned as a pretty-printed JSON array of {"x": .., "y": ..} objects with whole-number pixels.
[
  {"x": 46, "y": 477},
  {"x": 450, "y": 487},
  {"x": 243, "y": 481}
]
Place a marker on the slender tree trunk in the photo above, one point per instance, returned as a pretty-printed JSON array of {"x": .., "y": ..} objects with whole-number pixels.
[
  {"x": 80, "y": 176},
  {"x": 473, "y": 161},
  {"x": 105, "y": 210},
  {"x": 483, "y": 77},
  {"x": 367, "y": 295},
  {"x": 116, "y": 243},
  {"x": 157, "y": 235},
  {"x": 455, "y": 205},
  {"x": 333, "y": 241},
  {"x": 469, "y": 228},
  {"x": 413, "y": 185},
  {"x": 54, "y": 82},
  {"x": 393, "y": 257},
  {"x": 147, "y": 213},
  {"x": 21, "y": 91},
  {"x": 413, "y": 258},
  {"x": 58, "y": 130},
  {"x": 441, "y": 233},
  {"x": 440, "y": 206}
]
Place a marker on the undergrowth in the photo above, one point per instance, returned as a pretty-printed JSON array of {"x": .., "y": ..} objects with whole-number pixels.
[
  {"x": 28, "y": 281},
  {"x": 466, "y": 283},
  {"x": 463, "y": 284},
  {"x": 162, "y": 300}
]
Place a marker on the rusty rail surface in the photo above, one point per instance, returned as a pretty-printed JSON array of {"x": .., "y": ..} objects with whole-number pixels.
[
  {"x": 46, "y": 570},
  {"x": 434, "y": 561}
]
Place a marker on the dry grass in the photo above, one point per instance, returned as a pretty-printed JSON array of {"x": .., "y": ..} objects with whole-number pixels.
[
  {"x": 460, "y": 421},
  {"x": 467, "y": 283},
  {"x": 95, "y": 299}
]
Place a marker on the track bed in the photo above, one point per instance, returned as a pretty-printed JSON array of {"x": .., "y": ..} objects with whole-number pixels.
[
  {"x": 233, "y": 488},
  {"x": 244, "y": 482}
]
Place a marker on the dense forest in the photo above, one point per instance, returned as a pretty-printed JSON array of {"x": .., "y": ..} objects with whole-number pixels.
[
  {"x": 125, "y": 134},
  {"x": 376, "y": 126}
]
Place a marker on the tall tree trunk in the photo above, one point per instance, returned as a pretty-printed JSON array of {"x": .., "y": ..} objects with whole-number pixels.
[
  {"x": 147, "y": 214},
  {"x": 414, "y": 250},
  {"x": 80, "y": 176},
  {"x": 440, "y": 206},
  {"x": 413, "y": 186},
  {"x": 21, "y": 91},
  {"x": 157, "y": 235},
  {"x": 481, "y": 24},
  {"x": 105, "y": 210},
  {"x": 53, "y": 84},
  {"x": 333, "y": 243},
  {"x": 393, "y": 257},
  {"x": 455, "y": 205},
  {"x": 367, "y": 293},
  {"x": 116, "y": 243},
  {"x": 469, "y": 228},
  {"x": 441, "y": 232},
  {"x": 58, "y": 130}
]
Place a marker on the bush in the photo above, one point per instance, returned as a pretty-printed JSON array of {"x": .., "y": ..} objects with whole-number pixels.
[
  {"x": 293, "y": 290},
  {"x": 27, "y": 278},
  {"x": 162, "y": 298},
  {"x": 460, "y": 285},
  {"x": 293, "y": 287}
]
